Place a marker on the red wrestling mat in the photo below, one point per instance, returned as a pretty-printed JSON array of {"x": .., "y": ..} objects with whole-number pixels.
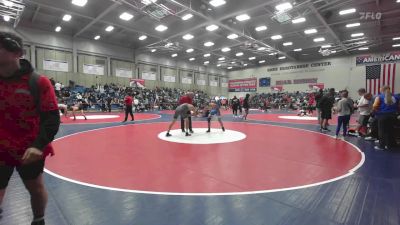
[
  {"x": 269, "y": 158},
  {"x": 105, "y": 118}
]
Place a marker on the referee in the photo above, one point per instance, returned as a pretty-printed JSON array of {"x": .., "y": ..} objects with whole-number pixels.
[{"x": 128, "y": 107}]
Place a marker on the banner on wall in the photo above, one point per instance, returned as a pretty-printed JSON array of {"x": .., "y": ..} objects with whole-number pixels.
[
  {"x": 137, "y": 83},
  {"x": 317, "y": 86},
  {"x": 277, "y": 88},
  {"x": 243, "y": 85},
  {"x": 186, "y": 80},
  {"x": 391, "y": 57},
  {"x": 297, "y": 81},
  {"x": 201, "y": 82},
  {"x": 265, "y": 82},
  {"x": 149, "y": 76},
  {"x": 121, "y": 72},
  {"x": 169, "y": 79},
  {"x": 55, "y": 65},
  {"x": 213, "y": 83},
  {"x": 93, "y": 69}
]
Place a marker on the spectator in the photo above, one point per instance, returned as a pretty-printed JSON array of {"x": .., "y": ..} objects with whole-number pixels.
[
  {"x": 385, "y": 108},
  {"x": 326, "y": 104},
  {"x": 344, "y": 109}
]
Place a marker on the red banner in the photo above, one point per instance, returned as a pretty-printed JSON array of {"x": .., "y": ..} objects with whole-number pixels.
[
  {"x": 317, "y": 86},
  {"x": 243, "y": 85},
  {"x": 277, "y": 88},
  {"x": 137, "y": 83}
]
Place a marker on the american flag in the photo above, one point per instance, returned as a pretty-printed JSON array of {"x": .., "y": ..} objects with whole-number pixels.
[{"x": 378, "y": 76}]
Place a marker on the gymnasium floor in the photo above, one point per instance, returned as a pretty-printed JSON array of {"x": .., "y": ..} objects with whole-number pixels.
[{"x": 269, "y": 170}]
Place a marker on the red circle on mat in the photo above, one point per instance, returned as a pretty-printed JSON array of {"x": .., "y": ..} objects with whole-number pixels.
[
  {"x": 117, "y": 117},
  {"x": 134, "y": 158},
  {"x": 276, "y": 118}
]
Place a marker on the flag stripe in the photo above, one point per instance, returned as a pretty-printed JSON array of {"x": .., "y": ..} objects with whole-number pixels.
[
  {"x": 394, "y": 72},
  {"x": 384, "y": 74}
]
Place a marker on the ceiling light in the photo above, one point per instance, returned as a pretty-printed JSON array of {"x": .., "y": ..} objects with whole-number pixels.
[
  {"x": 97, "y": 37},
  {"x": 67, "y": 17},
  {"x": 207, "y": 55},
  {"x": 209, "y": 44},
  {"x": 276, "y": 37},
  {"x": 287, "y": 43},
  {"x": 229, "y": 67},
  {"x": 218, "y": 65},
  {"x": 8, "y": 3},
  {"x": 245, "y": 64},
  {"x": 58, "y": 29},
  {"x": 143, "y": 37},
  {"x": 153, "y": 50},
  {"x": 333, "y": 51},
  {"x": 233, "y": 62},
  {"x": 261, "y": 28},
  {"x": 126, "y": 16},
  {"x": 80, "y": 3},
  {"x": 206, "y": 62},
  {"x": 161, "y": 28},
  {"x": 6, "y": 18},
  {"x": 232, "y": 36},
  {"x": 283, "y": 7},
  {"x": 398, "y": 1},
  {"x": 261, "y": 48},
  {"x": 226, "y": 49},
  {"x": 347, "y": 11},
  {"x": 148, "y": 2},
  {"x": 109, "y": 28},
  {"x": 357, "y": 35},
  {"x": 396, "y": 38},
  {"x": 191, "y": 59},
  {"x": 396, "y": 45},
  {"x": 320, "y": 39},
  {"x": 243, "y": 17},
  {"x": 326, "y": 46},
  {"x": 297, "y": 50},
  {"x": 212, "y": 27},
  {"x": 188, "y": 36},
  {"x": 362, "y": 49},
  {"x": 174, "y": 55},
  {"x": 262, "y": 61},
  {"x": 187, "y": 16},
  {"x": 273, "y": 53},
  {"x": 189, "y": 50},
  {"x": 252, "y": 58},
  {"x": 299, "y": 20},
  {"x": 221, "y": 59},
  {"x": 217, "y": 3},
  {"x": 361, "y": 42},
  {"x": 239, "y": 54},
  {"x": 352, "y": 25},
  {"x": 282, "y": 57},
  {"x": 310, "y": 31}
]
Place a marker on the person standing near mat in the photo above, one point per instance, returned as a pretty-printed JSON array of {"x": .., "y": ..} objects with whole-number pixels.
[
  {"x": 186, "y": 99},
  {"x": 29, "y": 119},
  {"x": 214, "y": 111},
  {"x": 318, "y": 98},
  {"x": 326, "y": 104},
  {"x": 183, "y": 111},
  {"x": 128, "y": 101},
  {"x": 246, "y": 106},
  {"x": 235, "y": 106},
  {"x": 344, "y": 109}
]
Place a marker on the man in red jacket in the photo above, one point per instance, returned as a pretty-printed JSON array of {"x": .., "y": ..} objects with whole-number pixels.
[
  {"x": 27, "y": 126},
  {"x": 128, "y": 107},
  {"x": 187, "y": 98}
]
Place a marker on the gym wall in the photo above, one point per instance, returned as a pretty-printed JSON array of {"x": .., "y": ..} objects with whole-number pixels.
[
  {"x": 85, "y": 60},
  {"x": 341, "y": 74}
]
